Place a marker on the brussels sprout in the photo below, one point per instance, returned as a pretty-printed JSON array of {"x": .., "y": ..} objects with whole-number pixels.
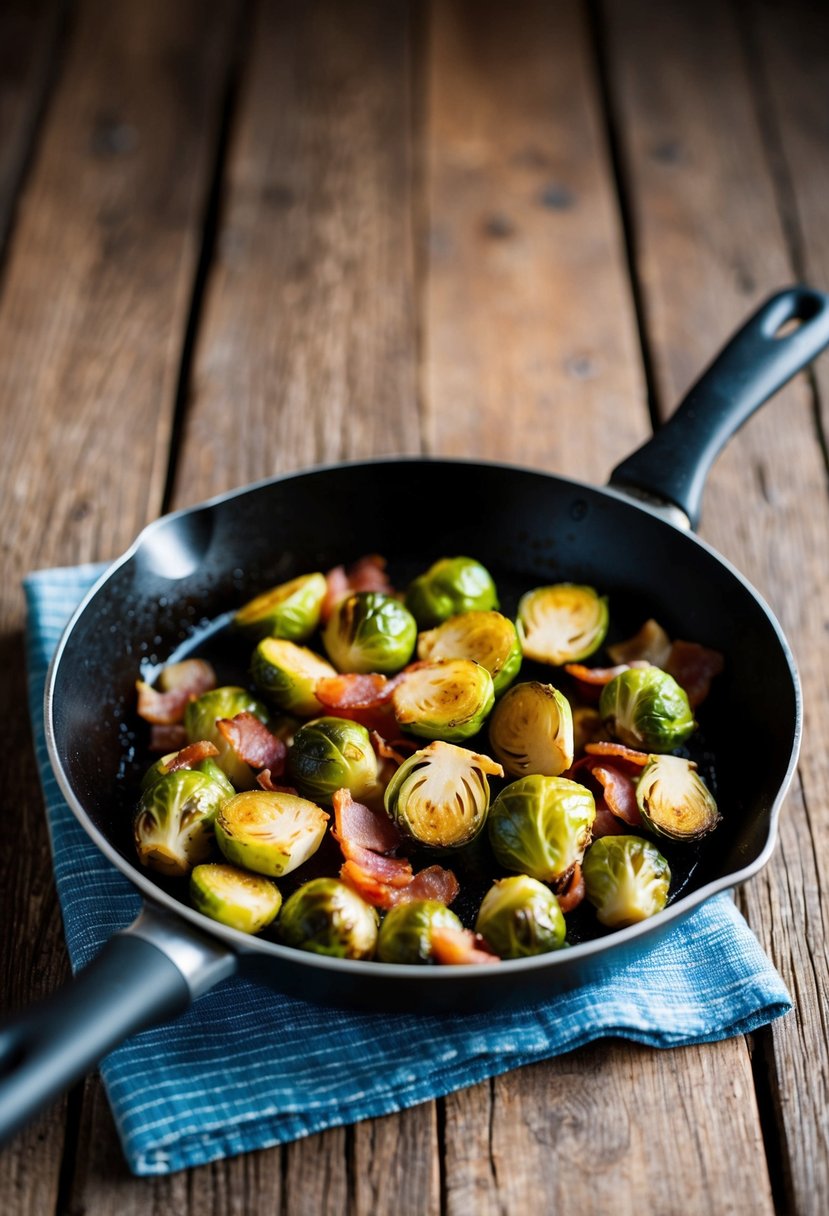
[
  {"x": 645, "y": 708},
  {"x": 531, "y": 730},
  {"x": 487, "y": 637},
  {"x": 291, "y": 610},
  {"x": 173, "y": 824},
  {"x": 674, "y": 800},
  {"x": 406, "y": 932},
  {"x": 541, "y": 826},
  {"x": 200, "y": 720},
  {"x": 561, "y": 624},
  {"x": 208, "y": 766},
  {"x": 287, "y": 675},
  {"x": 327, "y": 917},
  {"x": 446, "y": 699},
  {"x": 450, "y": 586},
  {"x": 268, "y": 831},
  {"x": 329, "y": 754},
  {"x": 370, "y": 632},
  {"x": 440, "y": 795},
  {"x": 519, "y": 916},
  {"x": 626, "y": 879},
  {"x": 234, "y": 897}
]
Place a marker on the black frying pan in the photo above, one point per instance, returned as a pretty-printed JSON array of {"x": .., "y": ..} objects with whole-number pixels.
[{"x": 631, "y": 540}]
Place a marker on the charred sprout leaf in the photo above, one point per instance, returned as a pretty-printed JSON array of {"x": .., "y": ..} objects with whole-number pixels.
[
  {"x": 234, "y": 897},
  {"x": 200, "y": 720},
  {"x": 269, "y": 832},
  {"x": 406, "y": 931},
  {"x": 440, "y": 795},
  {"x": 286, "y": 674},
  {"x": 531, "y": 730},
  {"x": 674, "y": 800},
  {"x": 561, "y": 624},
  {"x": 486, "y": 637},
  {"x": 329, "y": 754},
  {"x": 645, "y": 708},
  {"x": 173, "y": 824},
  {"x": 626, "y": 878},
  {"x": 519, "y": 917},
  {"x": 446, "y": 699},
  {"x": 370, "y": 632},
  {"x": 327, "y": 917},
  {"x": 291, "y": 610},
  {"x": 541, "y": 826},
  {"x": 208, "y": 766},
  {"x": 451, "y": 585}
]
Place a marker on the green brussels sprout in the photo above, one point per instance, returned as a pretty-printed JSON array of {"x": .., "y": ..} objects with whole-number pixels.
[
  {"x": 287, "y": 675},
  {"x": 487, "y": 637},
  {"x": 541, "y": 826},
  {"x": 451, "y": 585},
  {"x": 291, "y": 610},
  {"x": 519, "y": 917},
  {"x": 208, "y": 766},
  {"x": 562, "y": 624},
  {"x": 446, "y": 699},
  {"x": 406, "y": 932},
  {"x": 327, "y": 917},
  {"x": 626, "y": 878},
  {"x": 173, "y": 824},
  {"x": 268, "y": 831},
  {"x": 674, "y": 800},
  {"x": 439, "y": 796},
  {"x": 531, "y": 730},
  {"x": 234, "y": 897},
  {"x": 201, "y": 716},
  {"x": 329, "y": 754},
  {"x": 370, "y": 632},
  {"x": 645, "y": 708}
]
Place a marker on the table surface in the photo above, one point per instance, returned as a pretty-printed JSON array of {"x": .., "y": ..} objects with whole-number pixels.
[{"x": 239, "y": 239}]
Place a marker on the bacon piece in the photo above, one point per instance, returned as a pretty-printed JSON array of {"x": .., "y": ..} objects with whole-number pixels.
[
  {"x": 432, "y": 883},
  {"x": 460, "y": 946},
  {"x": 374, "y": 887},
  {"x": 191, "y": 755},
  {"x": 366, "y": 574},
  {"x": 694, "y": 667},
  {"x": 619, "y": 794},
  {"x": 361, "y": 698},
  {"x": 253, "y": 743},
  {"x": 266, "y": 782},
  {"x": 651, "y": 644},
  {"x": 357, "y": 826},
  {"x": 394, "y": 749},
  {"x": 605, "y": 747},
  {"x": 178, "y": 685},
  {"x": 606, "y": 823},
  {"x": 166, "y": 739},
  {"x": 572, "y": 890}
]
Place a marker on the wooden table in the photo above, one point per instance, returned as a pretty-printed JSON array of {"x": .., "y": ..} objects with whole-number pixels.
[{"x": 243, "y": 238}]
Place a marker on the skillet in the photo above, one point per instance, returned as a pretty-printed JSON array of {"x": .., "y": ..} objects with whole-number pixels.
[{"x": 190, "y": 570}]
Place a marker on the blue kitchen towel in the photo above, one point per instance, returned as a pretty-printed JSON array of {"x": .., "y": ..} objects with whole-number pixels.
[{"x": 246, "y": 1068}]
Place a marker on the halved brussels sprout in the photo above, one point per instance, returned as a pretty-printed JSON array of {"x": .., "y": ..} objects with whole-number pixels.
[
  {"x": 329, "y": 754},
  {"x": 562, "y": 623},
  {"x": 291, "y": 610},
  {"x": 439, "y": 796},
  {"x": 451, "y": 585},
  {"x": 519, "y": 917},
  {"x": 541, "y": 826},
  {"x": 269, "y": 832},
  {"x": 531, "y": 730},
  {"x": 234, "y": 897},
  {"x": 200, "y": 720},
  {"x": 370, "y": 632},
  {"x": 327, "y": 917},
  {"x": 208, "y": 766},
  {"x": 674, "y": 800},
  {"x": 626, "y": 879},
  {"x": 287, "y": 674},
  {"x": 406, "y": 932},
  {"x": 445, "y": 699},
  {"x": 645, "y": 708},
  {"x": 173, "y": 825},
  {"x": 487, "y": 637}
]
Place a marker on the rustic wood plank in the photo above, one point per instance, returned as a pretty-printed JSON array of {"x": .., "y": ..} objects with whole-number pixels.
[
  {"x": 712, "y": 245},
  {"x": 396, "y": 1164},
  {"x": 506, "y": 315},
  {"x": 92, "y": 319}
]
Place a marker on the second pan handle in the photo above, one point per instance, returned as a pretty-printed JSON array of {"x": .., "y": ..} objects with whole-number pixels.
[{"x": 785, "y": 334}]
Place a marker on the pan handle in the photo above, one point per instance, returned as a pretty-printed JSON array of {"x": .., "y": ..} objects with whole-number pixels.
[
  {"x": 785, "y": 334},
  {"x": 144, "y": 975}
]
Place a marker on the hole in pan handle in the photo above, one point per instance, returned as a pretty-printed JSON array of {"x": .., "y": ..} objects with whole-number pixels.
[{"x": 784, "y": 335}]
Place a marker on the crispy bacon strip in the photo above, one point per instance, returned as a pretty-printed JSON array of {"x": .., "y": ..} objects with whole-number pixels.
[
  {"x": 572, "y": 890},
  {"x": 694, "y": 667},
  {"x": 253, "y": 742},
  {"x": 606, "y": 823},
  {"x": 361, "y": 698},
  {"x": 265, "y": 782},
  {"x": 619, "y": 794},
  {"x": 432, "y": 883},
  {"x": 167, "y": 738},
  {"x": 651, "y": 643},
  {"x": 178, "y": 685},
  {"x": 366, "y": 574},
  {"x": 460, "y": 946},
  {"x": 397, "y": 750},
  {"x": 191, "y": 755},
  {"x": 605, "y": 747},
  {"x": 357, "y": 826},
  {"x": 374, "y": 888}
]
